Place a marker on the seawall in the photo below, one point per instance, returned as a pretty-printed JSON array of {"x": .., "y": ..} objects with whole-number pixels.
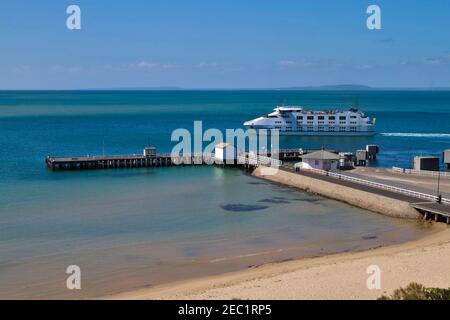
[{"x": 362, "y": 199}]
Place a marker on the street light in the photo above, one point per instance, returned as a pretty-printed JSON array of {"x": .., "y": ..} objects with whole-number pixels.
[{"x": 439, "y": 196}]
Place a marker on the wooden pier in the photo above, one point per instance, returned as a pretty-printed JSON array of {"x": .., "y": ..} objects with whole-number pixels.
[
  {"x": 157, "y": 160},
  {"x": 433, "y": 210},
  {"x": 124, "y": 161}
]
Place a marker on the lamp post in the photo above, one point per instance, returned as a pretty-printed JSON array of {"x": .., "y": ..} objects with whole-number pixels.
[{"x": 439, "y": 197}]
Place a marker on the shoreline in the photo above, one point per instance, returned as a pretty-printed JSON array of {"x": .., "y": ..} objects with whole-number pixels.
[{"x": 334, "y": 276}]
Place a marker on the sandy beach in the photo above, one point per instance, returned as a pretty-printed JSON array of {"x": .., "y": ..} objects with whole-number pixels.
[{"x": 338, "y": 276}]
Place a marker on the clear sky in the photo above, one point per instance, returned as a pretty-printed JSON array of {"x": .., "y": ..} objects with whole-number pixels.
[{"x": 223, "y": 44}]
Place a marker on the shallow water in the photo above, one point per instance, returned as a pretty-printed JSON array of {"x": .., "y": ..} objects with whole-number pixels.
[
  {"x": 139, "y": 227},
  {"x": 132, "y": 228}
]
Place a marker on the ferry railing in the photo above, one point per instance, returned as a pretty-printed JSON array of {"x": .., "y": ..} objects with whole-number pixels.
[{"x": 407, "y": 192}]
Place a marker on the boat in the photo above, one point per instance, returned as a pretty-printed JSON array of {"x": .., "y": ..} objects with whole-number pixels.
[{"x": 295, "y": 120}]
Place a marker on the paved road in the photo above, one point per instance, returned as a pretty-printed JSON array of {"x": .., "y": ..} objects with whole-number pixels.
[
  {"x": 358, "y": 186},
  {"x": 430, "y": 205},
  {"x": 398, "y": 184}
]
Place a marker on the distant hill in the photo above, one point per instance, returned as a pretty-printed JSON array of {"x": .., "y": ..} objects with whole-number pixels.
[
  {"x": 350, "y": 87},
  {"x": 338, "y": 87}
]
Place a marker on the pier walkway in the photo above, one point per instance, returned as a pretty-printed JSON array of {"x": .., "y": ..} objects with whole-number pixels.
[{"x": 162, "y": 160}]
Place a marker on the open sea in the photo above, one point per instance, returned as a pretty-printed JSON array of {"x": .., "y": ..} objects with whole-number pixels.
[{"x": 135, "y": 228}]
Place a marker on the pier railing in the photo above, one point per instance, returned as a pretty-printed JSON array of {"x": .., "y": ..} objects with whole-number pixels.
[
  {"x": 442, "y": 174},
  {"x": 257, "y": 160},
  {"x": 407, "y": 192}
]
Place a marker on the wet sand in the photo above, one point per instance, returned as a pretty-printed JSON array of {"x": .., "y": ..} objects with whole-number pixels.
[{"x": 337, "y": 276}]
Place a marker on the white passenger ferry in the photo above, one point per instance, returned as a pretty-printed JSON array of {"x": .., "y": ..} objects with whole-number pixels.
[{"x": 297, "y": 121}]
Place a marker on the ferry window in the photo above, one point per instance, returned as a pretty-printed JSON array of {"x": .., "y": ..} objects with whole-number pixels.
[
  {"x": 331, "y": 118},
  {"x": 342, "y": 118},
  {"x": 341, "y": 128},
  {"x": 353, "y": 117},
  {"x": 299, "y": 117},
  {"x": 321, "y": 117},
  {"x": 310, "y": 117},
  {"x": 288, "y": 121}
]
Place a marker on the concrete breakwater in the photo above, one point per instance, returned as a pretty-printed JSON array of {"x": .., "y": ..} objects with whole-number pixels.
[{"x": 390, "y": 206}]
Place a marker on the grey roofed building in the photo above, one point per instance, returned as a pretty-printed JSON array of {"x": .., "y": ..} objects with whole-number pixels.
[{"x": 321, "y": 155}]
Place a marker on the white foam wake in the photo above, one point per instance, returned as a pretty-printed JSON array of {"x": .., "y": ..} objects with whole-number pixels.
[{"x": 415, "y": 134}]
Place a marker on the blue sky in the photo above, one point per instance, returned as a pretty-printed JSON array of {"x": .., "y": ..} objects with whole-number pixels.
[{"x": 223, "y": 44}]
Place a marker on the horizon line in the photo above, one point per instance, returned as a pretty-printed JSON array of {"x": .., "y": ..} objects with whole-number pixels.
[{"x": 338, "y": 87}]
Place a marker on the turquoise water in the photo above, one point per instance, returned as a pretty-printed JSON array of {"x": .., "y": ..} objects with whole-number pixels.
[{"x": 140, "y": 227}]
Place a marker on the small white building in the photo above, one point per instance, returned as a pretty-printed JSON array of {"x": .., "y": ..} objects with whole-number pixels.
[
  {"x": 322, "y": 160},
  {"x": 225, "y": 153}
]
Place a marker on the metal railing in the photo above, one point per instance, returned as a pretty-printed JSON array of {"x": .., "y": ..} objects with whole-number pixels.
[
  {"x": 257, "y": 160},
  {"x": 378, "y": 185},
  {"x": 443, "y": 174}
]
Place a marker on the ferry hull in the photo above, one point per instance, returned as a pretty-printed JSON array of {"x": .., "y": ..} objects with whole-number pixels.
[{"x": 329, "y": 134}]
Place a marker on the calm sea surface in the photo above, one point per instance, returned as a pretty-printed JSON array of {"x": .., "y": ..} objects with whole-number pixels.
[{"x": 128, "y": 229}]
